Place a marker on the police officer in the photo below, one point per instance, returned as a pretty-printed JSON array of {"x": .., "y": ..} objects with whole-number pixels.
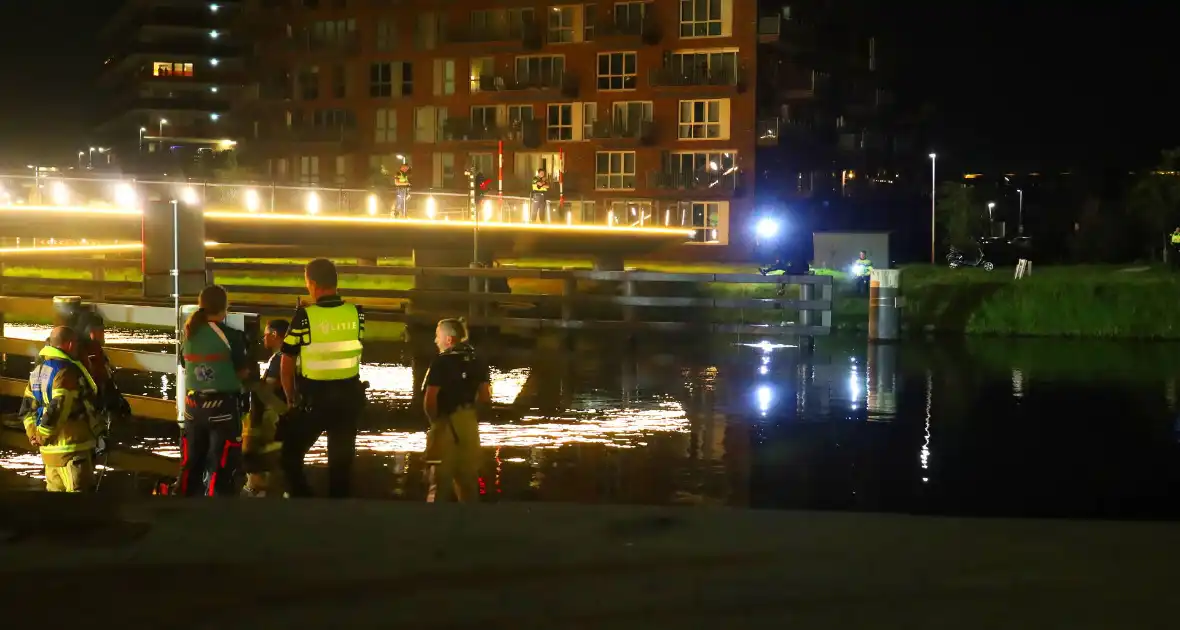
[
  {"x": 216, "y": 362},
  {"x": 320, "y": 374},
  {"x": 401, "y": 186},
  {"x": 456, "y": 384},
  {"x": 1175, "y": 253},
  {"x": 59, "y": 416},
  {"x": 540, "y": 193},
  {"x": 862, "y": 269}
]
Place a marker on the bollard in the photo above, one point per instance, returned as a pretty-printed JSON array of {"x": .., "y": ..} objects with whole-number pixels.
[
  {"x": 806, "y": 294},
  {"x": 884, "y": 315}
]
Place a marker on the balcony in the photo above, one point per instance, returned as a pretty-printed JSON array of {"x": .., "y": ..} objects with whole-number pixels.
[
  {"x": 565, "y": 85},
  {"x": 196, "y": 102},
  {"x": 698, "y": 77},
  {"x": 346, "y": 47},
  {"x": 728, "y": 183},
  {"x": 310, "y": 134},
  {"x": 463, "y": 130},
  {"x": 511, "y": 35},
  {"x": 636, "y": 130},
  {"x": 789, "y": 35},
  {"x": 624, "y": 27}
]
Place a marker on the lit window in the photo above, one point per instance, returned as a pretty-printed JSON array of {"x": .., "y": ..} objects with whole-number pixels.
[
  {"x": 170, "y": 69},
  {"x": 561, "y": 122},
  {"x": 561, "y": 25},
  {"x": 700, "y": 18},
  {"x": 700, "y": 119}
]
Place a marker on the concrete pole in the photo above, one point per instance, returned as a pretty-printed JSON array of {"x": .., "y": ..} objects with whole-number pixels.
[{"x": 884, "y": 314}]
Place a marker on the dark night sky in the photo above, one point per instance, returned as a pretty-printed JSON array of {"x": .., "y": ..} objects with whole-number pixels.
[{"x": 1047, "y": 83}]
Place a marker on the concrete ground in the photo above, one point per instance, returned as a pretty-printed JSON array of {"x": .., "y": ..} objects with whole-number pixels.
[{"x": 171, "y": 563}]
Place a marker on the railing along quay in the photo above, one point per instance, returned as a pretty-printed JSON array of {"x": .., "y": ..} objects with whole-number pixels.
[{"x": 571, "y": 309}]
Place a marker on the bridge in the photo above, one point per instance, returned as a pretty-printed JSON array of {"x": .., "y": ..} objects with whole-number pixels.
[{"x": 439, "y": 225}]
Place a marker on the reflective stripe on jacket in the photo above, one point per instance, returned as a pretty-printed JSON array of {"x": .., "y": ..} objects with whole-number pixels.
[{"x": 334, "y": 351}]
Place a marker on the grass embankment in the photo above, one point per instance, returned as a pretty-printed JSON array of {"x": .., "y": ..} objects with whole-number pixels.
[{"x": 1111, "y": 302}]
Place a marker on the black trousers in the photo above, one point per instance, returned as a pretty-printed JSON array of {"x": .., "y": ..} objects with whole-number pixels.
[
  {"x": 537, "y": 206},
  {"x": 334, "y": 409},
  {"x": 211, "y": 446}
]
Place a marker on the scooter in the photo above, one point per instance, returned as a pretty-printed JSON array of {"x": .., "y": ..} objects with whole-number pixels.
[{"x": 956, "y": 259}]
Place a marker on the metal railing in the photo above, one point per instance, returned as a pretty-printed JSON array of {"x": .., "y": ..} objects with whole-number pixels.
[{"x": 626, "y": 308}]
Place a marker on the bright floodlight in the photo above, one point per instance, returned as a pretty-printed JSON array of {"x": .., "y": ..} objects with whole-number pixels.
[
  {"x": 767, "y": 228},
  {"x": 487, "y": 209},
  {"x": 252, "y": 200},
  {"x": 524, "y": 212},
  {"x": 372, "y": 201},
  {"x": 431, "y": 208},
  {"x": 61, "y": 196},
  {"x": 313, "y": 203},
  {"x": 189, "y": 196},
  {"x": 933, "y": 156},
  {"x": 125, "y": 196},
  {"x": 610, "y": 218}
]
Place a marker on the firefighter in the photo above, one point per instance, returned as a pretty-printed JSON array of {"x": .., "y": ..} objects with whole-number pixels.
[
  {"x": 540, "y": 194},
  {"x": 401, "y": 187},
  {"x": 59, "y": 416}
]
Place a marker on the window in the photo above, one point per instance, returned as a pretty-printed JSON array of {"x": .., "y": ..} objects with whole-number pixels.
[
  {"x": 443, "y": 175},
  {"x": 444, "y": 77},
  {"x": 704, "y": 119},
  {"x": 561, "y": 24},
  {"x": 519, "y": 21},
  {"x": 616, "y": 71},
  {"x": 519, "y": 115},
  {"x": 589, "y": 117},
  {"x": 381, "y": 80},
  {"x": 705, "y": 217},
  {"x": 426, "y": 123},
  {"x": 481, "y": 67},
  {"x": 309, "y": 169},
  {"x": 391, "y": 79},
  {"x": 632, "y": 212},
  {"x": 426, "y": 35},
  {"x": 685, "y": 166},
  {"x": 630, "y": 115},
  {"x": 703, "y": 18},
  {"x": 331, "y": 34},
  {"x": 629, "y": 13},
  {"x": 561, "y": 122},
  {"x": 386, "y": 127},
  {"x": 525, "y": 165},
  {"x": 590, "y": 18},
  {"x": 340, "y": 81},
  {"x": 706, "y": 67},
  {"x": 483, "y": 117},
  {"x": 540, "y": 71},
  {"x": 386, "y": 35},
  {"x": 332, "y": 119},
  {"x": 169, "y": 69},
  {"x": 341, "y": 169},
  {"x": 482, "y": 163},
  {"x": 614, "y": 170},
  {"x": 390, "y": 161},
  {"x": 309, "y": 83}
]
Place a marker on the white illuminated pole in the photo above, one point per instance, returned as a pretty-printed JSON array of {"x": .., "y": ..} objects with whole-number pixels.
[
  {"x": 162, "y": 123},
  {"x": 142, "y": 130},
  {"x": 1020, "y": 225},
  {"x": 933, "y": 199},
  {"x": 179, "y": 315}
]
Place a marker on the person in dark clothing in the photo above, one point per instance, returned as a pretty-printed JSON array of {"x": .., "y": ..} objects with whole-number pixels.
[
  {"x": 260, "y": 449},
  {"x": 457, "y": 385},
  {"x": 320, "y": 375}
]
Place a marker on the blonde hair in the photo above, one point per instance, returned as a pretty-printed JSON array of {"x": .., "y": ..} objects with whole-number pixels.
[{"x": 456, "y": 328}]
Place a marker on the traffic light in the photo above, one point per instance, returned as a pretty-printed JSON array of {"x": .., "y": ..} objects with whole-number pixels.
[{"x": 481, "y": 186}]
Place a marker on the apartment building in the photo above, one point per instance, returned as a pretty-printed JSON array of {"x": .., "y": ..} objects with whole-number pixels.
[
  {"x": 172, "y": 71},
  {"x": 644, "y": 111}
]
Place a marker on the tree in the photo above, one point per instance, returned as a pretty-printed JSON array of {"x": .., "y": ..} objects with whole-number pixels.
[
  {"x": 960, "y": 215},
  {"x": 1154, "y": 201}
]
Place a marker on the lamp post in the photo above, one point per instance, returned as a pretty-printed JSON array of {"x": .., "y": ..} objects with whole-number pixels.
[
  {"x": 162, "y": 123},
  {"x": 1020, "y": 224},
  {"x": 142, "y": 130},
  {"x": 90, "y": 158},
  {"x": 80, "y": 154},
  {"x": 991, "y": 217},
  {"x": 933, "y": 198}
]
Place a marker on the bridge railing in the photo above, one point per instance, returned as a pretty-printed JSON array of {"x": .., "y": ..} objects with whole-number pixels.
[
  {"x": 53, "y": 189},
  {"x": 581, "y": 299}
]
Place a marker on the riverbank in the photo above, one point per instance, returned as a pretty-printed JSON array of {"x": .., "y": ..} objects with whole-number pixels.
[{"x": 1091, "y": 301}]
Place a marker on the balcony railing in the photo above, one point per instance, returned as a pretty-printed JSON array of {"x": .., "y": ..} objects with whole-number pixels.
[
  {"x": 566, "y": 84},
  {"x": 622, "y": 129},
  {"x": 312, "y": 133},
  {"x": 618, "y": 26},
  {"x": 517, "y": 33},
  {"x": 347, "y": 46},
  {"x": 696, "y": 77},
  {"x": 720, "y": 183},
  {"x": 463, "y": 130}
]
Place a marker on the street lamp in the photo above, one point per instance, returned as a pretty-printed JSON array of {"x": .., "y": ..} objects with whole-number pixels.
[
  {"x": 162, "y": 123},
  {"x": 90, "y": 157},
  {"x": 142, "y": 130},
  {"x": 80, "y": 154},
  {"x": 991, "y": 217},
  {"x": 933, "y": 198},
  {"x": 1020, "y": 225}
]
